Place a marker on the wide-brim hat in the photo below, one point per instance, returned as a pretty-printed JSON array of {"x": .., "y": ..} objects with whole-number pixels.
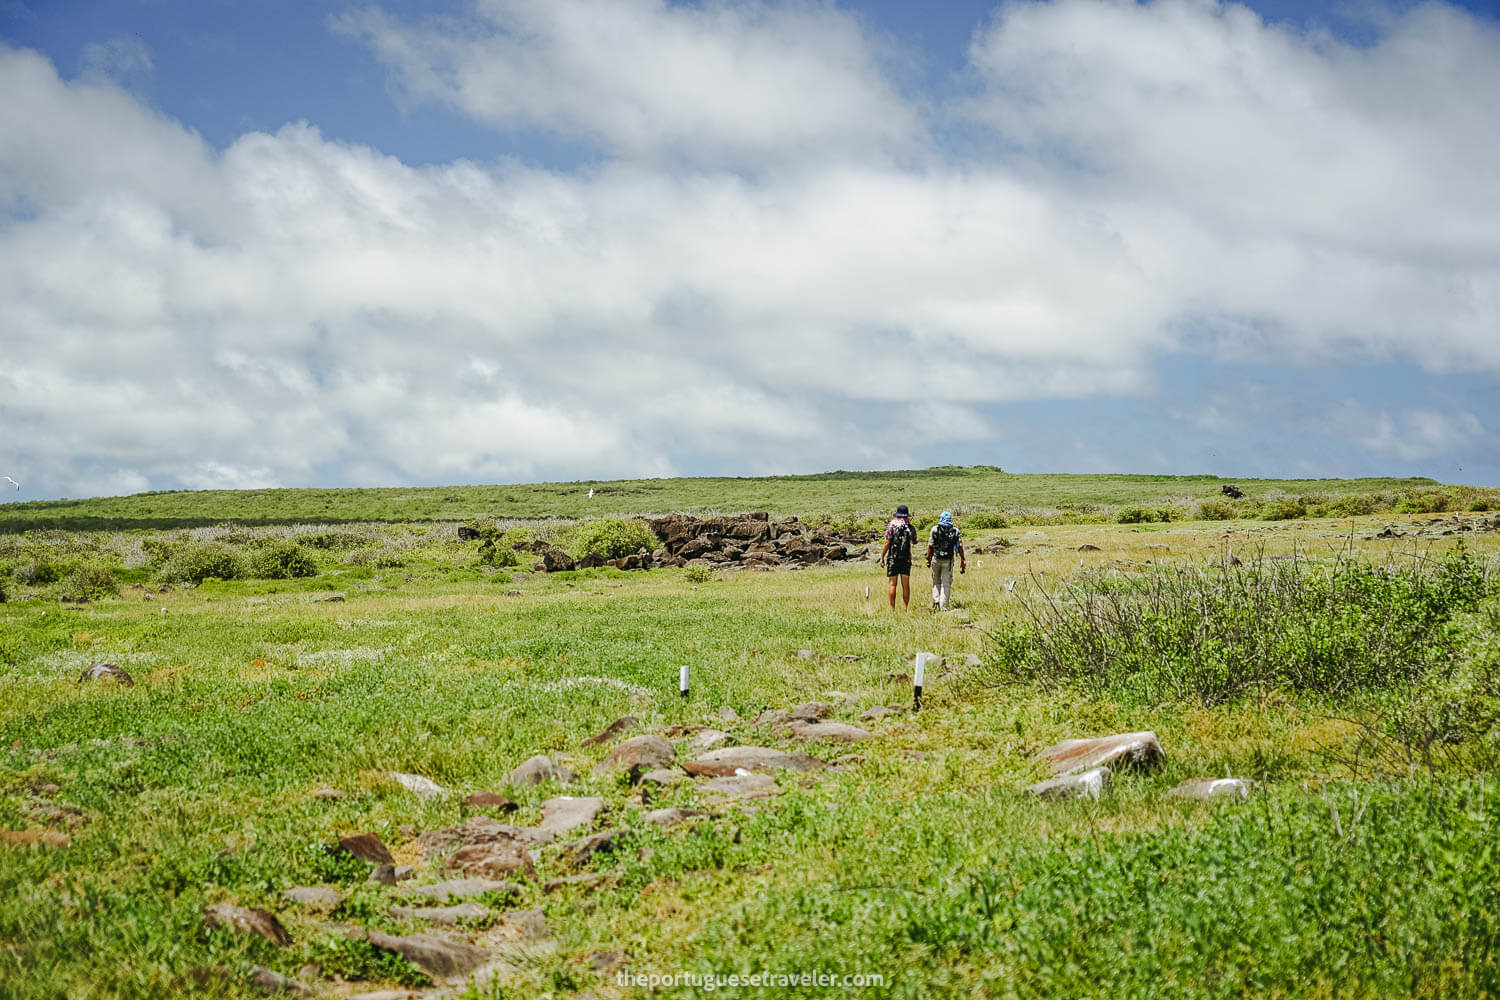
[{"x": 901, "y": 511}]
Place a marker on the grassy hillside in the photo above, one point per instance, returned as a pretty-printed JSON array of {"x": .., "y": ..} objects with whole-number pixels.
[
  {"x": 1350, "y": 674},
  {"x": 834, "y": 493}
]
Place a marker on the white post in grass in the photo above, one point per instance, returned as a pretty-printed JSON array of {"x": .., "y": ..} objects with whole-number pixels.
[
  {"x": 867, "y": 593},
  {"x": 921, "y": 674},
  {"x": 682, "y": 680}
]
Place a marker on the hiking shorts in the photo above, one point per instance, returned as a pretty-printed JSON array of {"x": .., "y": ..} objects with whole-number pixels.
[{"x": 902, "y": 568}]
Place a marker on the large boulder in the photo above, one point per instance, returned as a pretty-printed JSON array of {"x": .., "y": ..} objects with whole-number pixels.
[
  {"x": 1140, "y": 750},
  {"x": 539, "y": 769},
  {"x": 567, "y": 812},
  {"x": 1087, "y": 784},
  {"x": 555, "y": 560},
  {"x": 727, "y": 761},
  {"x": 638, "y": 755},
  {"x": 439, "y": 957}
]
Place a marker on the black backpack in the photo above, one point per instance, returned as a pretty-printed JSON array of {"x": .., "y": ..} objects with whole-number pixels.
[
  {"x": 901, "y": 539},
  {"x": 944, "y": 538}
]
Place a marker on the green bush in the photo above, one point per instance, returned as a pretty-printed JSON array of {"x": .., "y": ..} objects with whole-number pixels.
[
  {"x": 985, "y": 520},
  {"x": 1213, "y": 635},
  {"x": 333, "y": 540},
  {"x": 196, "y": 563},
  {"x": 1143, "y": 515},
  {"x": 519, "y": 538},
  {"x": 38, "y": 572},
  {"x": 281, "y": 561},
  {"x": 697, "y": 574},
  {"x": 1356, "y": 505},
  {"x": 1215, "y": 510},
  {"x": 89, "y": 582},
  {"x": 611, "y": 537},
  {"x": 1283, "y": 510},
  {"x": 498, "y": 555}
]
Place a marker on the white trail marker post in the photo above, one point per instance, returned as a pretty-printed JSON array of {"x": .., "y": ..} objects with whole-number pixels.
[
  {"x": 682, "y": 681},
  {"x": 917, "y": 679}
]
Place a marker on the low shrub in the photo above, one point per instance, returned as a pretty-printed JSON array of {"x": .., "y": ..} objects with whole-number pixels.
[
  {"x": 1215, "y": 510},
  {"x": 985, "y": 520},
  {"x": 1211, "y": 635},
  {"x": 697, "y": 574},
  {"x": 610, "y": 537},
  {"x": 37, "y": 572},
  {"x": 333, "y": 539},
  {"x": 384, "y": 557},
  {"x": 89, "y": 582},
  {"x": 498, "y": 555},
  {"x": 1144, "y": 515},
  {"x": 196, "y": 563},
  {"x": 281, "y": 561},
  {"x": 1283, "y": 510}
]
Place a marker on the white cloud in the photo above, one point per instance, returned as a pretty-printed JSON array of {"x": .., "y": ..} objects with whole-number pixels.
[
  {"x": 1417, "y": 435},
  {"x": 292, "y": 308},
  {"x": 120, "y": 59},
  {"x": 727, "y": 78}
]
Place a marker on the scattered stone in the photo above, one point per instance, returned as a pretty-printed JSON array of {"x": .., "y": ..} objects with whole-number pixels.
[
  {"x": 31, "y": 838},
  {"x": 463, "y": 888},
  {"x": 383, "y": 875},
  {"x": 107, "y": 672},
  {"x": 439, "y": 957},
  {"x": 489, "y": 800},
  {"x": 1124, "y": 749},
  {"x": 566, "y": 813},
  {"x": 318, "y": 896},
  {"x": 741, "y": 786},
  {"x": 554, "y": 560},
  {"x": 529, "y": 925},
  {"x": 1205, "y": 789},
  {"x": 827, "y": 731},
  {"x": 811, "y": 711},
  {"x": 492, "y": 859},
  {"x": 771, "y": 717},
  {"x": 671, "y": 817},
  {"x": 806, "y": 654},
  {"x": 405, "y": 873},
  {"x": 272, "y": 982},
  {"x": 46, "y": 790},
  {"x": 586, "y": 880},
  {"x": 367, "y": 847},
  {"x": 539, "y": 769},
  {"x": 581, "y": 850},
  {"x": 726, "y": 761},
  {"x": 606, "y": 962},
  {"x": 387, "y": 995},
  {"x": 325, "y": 793},
  {"x": 638, "y": 755},
  {"x": 878, "y": 712},
  {"x": 663, "y": 776},
  {"x": 482, "y": 830},
  {"x": 1089, "y": 548},
  {"x": 247, "y": 920},
  {"x": 1088, "y": 784},
  {"x": 612, "y": 730},
  {"x": 729, "y": 716},
  {"x": 447, "y": 915},
  {"x": 333, "y": 599},
  {"x": 422, "y": 788},
  {"x": 708, "y": 739}
]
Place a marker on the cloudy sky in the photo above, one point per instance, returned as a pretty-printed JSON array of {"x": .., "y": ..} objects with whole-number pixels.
[{"x": 316, "y": 243}]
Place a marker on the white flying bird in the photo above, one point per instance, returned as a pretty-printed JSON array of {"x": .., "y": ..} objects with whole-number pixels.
[{"x": 11, "y": 481}]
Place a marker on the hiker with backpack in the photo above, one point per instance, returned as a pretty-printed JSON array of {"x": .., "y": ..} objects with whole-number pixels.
[
  {"x": 942, "y": 544},
  {"x": 895, "y": 555}
]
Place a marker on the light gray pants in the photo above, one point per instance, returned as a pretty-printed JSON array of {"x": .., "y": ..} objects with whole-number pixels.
[{"x": 942, "y": 581}]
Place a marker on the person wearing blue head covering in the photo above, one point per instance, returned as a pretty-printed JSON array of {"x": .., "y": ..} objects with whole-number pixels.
[{"x": 943, "y": 543}]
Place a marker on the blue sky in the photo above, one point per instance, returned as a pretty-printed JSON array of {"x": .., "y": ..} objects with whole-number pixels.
[{"x": 319, "y": 243}]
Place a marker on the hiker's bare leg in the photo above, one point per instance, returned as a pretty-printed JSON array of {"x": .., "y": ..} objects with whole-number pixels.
[
  {"x": 891, "y": 590},
  {"x": 905, "y": 591}
]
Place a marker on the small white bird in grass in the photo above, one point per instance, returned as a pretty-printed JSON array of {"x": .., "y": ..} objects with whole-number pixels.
[{"x": 11, "y": 481}]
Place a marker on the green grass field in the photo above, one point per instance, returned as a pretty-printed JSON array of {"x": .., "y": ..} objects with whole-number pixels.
[
  {"x": 833, "y": 493},
  {"x": 1364, "y": 864}
]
